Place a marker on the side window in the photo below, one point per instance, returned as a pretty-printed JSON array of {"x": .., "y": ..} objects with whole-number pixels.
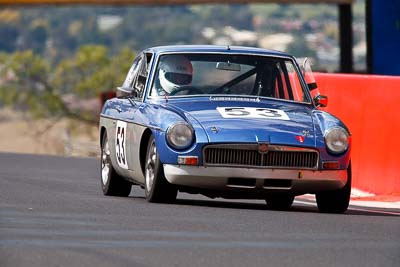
[
  {"x": 298, "y": 94},
  {"x": 143, "y": 70},
  {"x": 280, "y": 83},
  {"x": 287, "y": 82},
  {"x": 283, "y": 85},
  {"x": 130, "y": 78}
]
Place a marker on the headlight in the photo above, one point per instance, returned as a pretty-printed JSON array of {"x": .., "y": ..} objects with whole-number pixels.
[
  {"x": 180, "y": 135},
  {"x": 337, "y": 140}
]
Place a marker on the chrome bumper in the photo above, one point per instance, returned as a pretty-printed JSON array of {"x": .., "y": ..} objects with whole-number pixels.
[{"x": 302, "y": 181}]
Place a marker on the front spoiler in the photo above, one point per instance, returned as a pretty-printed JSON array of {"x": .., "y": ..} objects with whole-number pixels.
[{"x": 216, "y": 178}]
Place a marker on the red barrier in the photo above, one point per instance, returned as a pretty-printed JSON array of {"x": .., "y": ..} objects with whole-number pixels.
[{"x": 367, "y": 104}]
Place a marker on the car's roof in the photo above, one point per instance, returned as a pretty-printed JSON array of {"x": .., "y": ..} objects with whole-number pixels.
[{"x": 215, "y": 49}]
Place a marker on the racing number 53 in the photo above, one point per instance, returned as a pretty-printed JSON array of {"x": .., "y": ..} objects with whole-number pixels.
[
  {"x": 120, "y": 144},
  {"x": 249, "y": 112}
]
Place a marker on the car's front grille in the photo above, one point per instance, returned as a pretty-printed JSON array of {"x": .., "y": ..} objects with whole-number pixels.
[{"x": 249, "y": 156}]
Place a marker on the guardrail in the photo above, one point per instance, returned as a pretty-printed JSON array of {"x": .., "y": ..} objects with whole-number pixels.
[{"x": 369, "y": 106}]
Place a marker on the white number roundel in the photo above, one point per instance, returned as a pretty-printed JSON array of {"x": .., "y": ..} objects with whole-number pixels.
[
  {"x": 120, "y": 144},
  {"x": 247, "y": 112}
]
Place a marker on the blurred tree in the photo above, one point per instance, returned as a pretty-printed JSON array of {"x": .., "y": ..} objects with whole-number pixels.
[
  {"x": 9, "y": 35},
  {"x": 9, "y": 32},
  {"x": 37, "y": 38},
  {"x": 10, "y": 16},
  {"x": 25, "y": 84},
  {"x": 76, "y": 73},
  {"x": 236, "y": 15},
  {"x": 331, "y": 31},
  {"x": 92, "y": 71},
  {"x": 28, "y": 82},
  {"x": 299, "y": 48}
]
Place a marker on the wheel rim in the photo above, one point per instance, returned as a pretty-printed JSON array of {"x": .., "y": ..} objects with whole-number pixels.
[
  {"x": 105, "y": 163},
  {"x": 150, "y": 166}
]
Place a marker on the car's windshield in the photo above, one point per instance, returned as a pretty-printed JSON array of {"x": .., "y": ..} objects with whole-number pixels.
[{"x": 223, "y": 74}]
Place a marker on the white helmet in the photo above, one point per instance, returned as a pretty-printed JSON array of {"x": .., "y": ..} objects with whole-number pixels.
[{"x": 175, "y": 71}]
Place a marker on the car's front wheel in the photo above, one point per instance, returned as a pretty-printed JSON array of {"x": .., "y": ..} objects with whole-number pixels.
[
  {"x": 111, "y": 183},
  {"x": 336, "y": 201},
  {"x": 157, "y": 188}
]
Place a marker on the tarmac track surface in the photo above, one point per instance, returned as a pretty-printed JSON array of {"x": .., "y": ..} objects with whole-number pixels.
[{"x": 53, "y": 213}]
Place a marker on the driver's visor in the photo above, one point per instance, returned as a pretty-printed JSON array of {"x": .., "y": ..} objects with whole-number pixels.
[{"x": 178, "y": 78}]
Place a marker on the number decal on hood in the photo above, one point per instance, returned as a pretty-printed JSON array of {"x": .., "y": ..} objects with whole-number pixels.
[
  {"x": 120, "y": 144},
  {"x": 258, "y": 113}
]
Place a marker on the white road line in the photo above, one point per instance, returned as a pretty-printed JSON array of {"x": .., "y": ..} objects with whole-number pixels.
[
  {"x": 376, "y": 204},
  {"x": 375, "y": 211},
  {"x": 356, "y": 207}
]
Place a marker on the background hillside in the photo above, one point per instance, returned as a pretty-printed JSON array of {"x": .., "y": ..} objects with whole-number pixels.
[
  {"x": 55, "y": 61},
  {"x": 303, "y": 30}
]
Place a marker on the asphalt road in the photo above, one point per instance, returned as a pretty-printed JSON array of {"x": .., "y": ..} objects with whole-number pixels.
[{"x": 53, "y": 213}]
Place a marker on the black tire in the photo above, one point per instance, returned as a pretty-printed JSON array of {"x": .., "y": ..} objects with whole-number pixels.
[
  {"x": 111, "y": 183},
  {"x": 157, "y": 188},
  {"x": 279, "y": 201},
  {"x": 336, "y": 201}
]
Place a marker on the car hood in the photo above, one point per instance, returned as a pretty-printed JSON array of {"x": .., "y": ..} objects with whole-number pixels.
[{"x": 266, "y": 121}]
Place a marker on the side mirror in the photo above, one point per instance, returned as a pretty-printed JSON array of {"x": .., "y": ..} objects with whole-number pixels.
[
  {"x": 123, "y": 91},
  {"x": 321, "y": 101}
]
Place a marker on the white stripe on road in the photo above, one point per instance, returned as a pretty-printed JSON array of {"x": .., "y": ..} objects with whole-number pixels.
[{"x": 359, "y": 207}]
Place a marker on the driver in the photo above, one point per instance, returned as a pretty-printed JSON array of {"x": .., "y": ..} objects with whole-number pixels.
[{"x": 175, "y": 72}]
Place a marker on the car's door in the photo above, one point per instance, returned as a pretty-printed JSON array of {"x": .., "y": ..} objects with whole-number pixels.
[
  {"x": 128, "y": 127},
  {"x": 125, "y": 115}
]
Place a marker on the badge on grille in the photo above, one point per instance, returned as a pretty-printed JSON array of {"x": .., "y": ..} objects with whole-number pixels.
[{"x": 263, "y": 148}]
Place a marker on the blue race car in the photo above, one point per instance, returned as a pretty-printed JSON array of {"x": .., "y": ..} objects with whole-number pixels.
[{"x": 231, "y": 122}]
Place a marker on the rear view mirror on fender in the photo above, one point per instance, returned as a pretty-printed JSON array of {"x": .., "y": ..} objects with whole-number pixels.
[{"x": 321, "y": 101}]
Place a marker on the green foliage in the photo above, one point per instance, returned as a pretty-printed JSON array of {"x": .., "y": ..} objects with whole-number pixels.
[
  {"x": 59, "y": 56},
  {"x": 26, "y": 85},
  {"x": 77, "y": 73},
  {"x": 92, "y": 71},
  {"x": 9, "y": 35},
  {"x": 37, "y": 36},
  {"x": 58, "y": 32},
  {"x": 236, "y": 15},
  {"x": 28, "y": 82},
  {"x": 299, "y": 48},
  {"x": 264, "y": 10}
]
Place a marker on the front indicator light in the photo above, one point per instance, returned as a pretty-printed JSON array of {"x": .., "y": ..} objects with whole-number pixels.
[
  {"x": 331, "y": 165},
  {"x": 188, "y": 160}
]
